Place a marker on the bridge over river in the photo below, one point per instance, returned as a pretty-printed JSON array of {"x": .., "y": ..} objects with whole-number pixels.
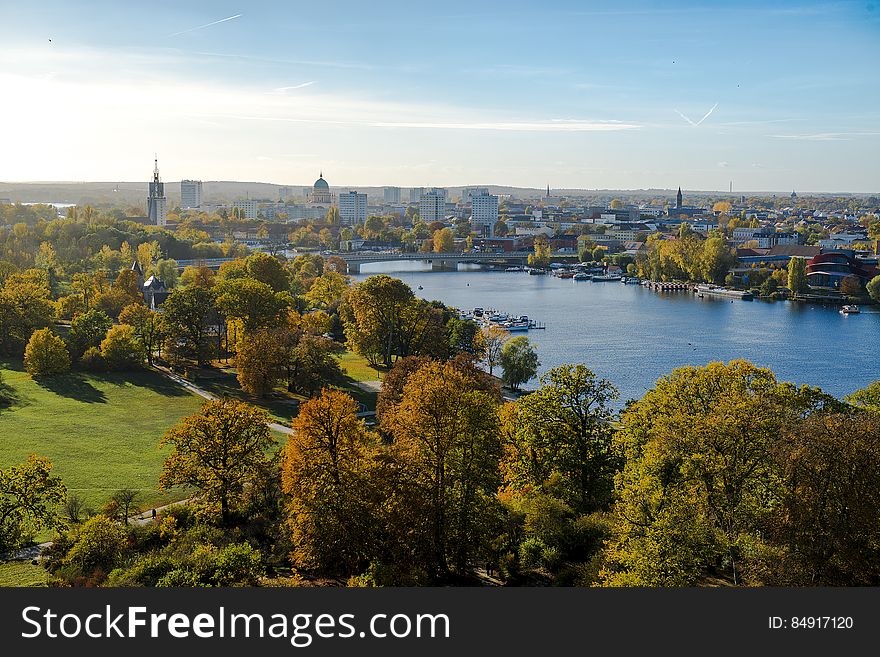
[{"x": 438, "y": 261}]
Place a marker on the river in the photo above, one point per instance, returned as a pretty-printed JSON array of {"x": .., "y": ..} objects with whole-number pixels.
[{"x": 632, "y": 336}]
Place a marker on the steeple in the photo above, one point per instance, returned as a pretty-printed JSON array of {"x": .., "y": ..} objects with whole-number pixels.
[
  {"x": 678, "y": 199},
  {"x": 548, "y": 190}
]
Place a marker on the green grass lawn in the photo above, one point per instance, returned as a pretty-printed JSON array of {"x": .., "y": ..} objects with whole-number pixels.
[
  {"x": 358, "y": 369},
  {"x": 101, "y": 431},
  {"x": 22, "y": 573},
  {"x": 283, "y": 406}
]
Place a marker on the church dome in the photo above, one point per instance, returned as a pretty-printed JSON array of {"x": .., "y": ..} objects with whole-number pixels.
[{"x": 320, "y": 183}]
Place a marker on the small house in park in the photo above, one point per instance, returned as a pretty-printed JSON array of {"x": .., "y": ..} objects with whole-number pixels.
[{"x": 154, "y": 289}]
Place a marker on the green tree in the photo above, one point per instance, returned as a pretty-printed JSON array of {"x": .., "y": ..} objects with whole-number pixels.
[
  {"x": 98, "y": 545},
  {"x": 699, "y": 483},
  {"x": 252, "y": 302},
  {"x": 218, "y": 450},
  {"x": 25, "y": 305},
  {"x": 29, "y": 498},
  {"x": 867, "y": 398},
  {"x": 328, "y": 289},
  {"x": 494, "y": 339},
  {"x": 797, "y": 275},
  {"x": 147, "y": 325},
  {"x": 519, "y": 362},
  {"x": 561, "y": 438},
  {"x": 189, "y": 316},
  {"x": 372, "y": 316},
  {"x": 46, "y": 354},
  {"x": 88, "y": 330},
  {"x": 874, "y": 288}
]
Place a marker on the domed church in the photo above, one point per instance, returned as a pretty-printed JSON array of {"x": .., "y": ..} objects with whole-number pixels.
[{"x": 321, "y": 192}]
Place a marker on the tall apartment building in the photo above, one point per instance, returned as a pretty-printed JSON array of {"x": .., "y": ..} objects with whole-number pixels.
[
  {"x": 392, "y": 195},
  {"x": 247, "y": 207},
  {"x": 484, "y": 213},
  {"x": 190, "y": 194},
  {"x": 432, "y": 206},
  {"x": 469, "y": 192},
  {"x": 352, "y": 208},
  {"x": 157, "y": 204},
  {"x": 415, "y": 194}
]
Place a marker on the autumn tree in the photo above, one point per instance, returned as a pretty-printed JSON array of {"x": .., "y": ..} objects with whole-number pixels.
[
  {"x": 327, "y": 290},
  {"x": 867, "y": 398},
  {"x": 46, "y": 354},
  {"x": 121, "y": 349},
  {"x": 29, "y": 500},
  {"x": 25, "y": 305},
  {"x": 541, "y": 256},
  {"x": 519, "y": 362},
  {"x": 268, "y": 270},
  {"x": 827, "y": 527},
  {"x": 494, "y": 337},
  {"x": 561, "y": 439},
  {"x": 198, "y": 277},
  {"x": 218, "y": 450},
  {"x": 851, "y": 286},
  {"x": 444, "y": 240},
  {"x": 446, "y": 436},
  {"x": 325, "y": 475},
  {"x": 391, "y": 391}
]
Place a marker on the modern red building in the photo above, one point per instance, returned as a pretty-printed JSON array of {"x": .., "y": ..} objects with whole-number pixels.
[{"x": 830, "y": 268}]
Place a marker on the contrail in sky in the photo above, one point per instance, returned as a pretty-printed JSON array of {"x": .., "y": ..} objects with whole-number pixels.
[
  {"x": 701, "y": 120},
  {"x": 202, "y": 27}
]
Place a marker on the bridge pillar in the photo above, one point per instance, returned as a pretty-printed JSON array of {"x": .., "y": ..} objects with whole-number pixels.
[
  {"x": 444, "y": 264},
  {"x": 354, "y": 267}
]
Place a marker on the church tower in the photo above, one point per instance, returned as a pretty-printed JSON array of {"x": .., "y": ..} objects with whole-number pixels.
[
  {"x": 157, "y": 204},
  {"x": 678, "y": 199}
]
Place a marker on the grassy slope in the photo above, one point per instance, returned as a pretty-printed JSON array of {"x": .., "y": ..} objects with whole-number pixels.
[
  {"x": 101, "y": 432},
  {"x": 22, "y": 573}
]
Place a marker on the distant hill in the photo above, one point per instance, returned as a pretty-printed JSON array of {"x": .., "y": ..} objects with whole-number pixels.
[{"x": 223, "y": 191}]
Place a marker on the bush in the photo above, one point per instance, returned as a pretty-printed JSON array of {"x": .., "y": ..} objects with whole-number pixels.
[
  {"x": 92, "y": 360},
  {"x": 121, "y": 349},
  {"x": 46, "y": 354},
  {"x": 99, "y": 545}
]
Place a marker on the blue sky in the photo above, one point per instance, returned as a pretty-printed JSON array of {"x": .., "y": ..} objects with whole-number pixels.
[{"x": 771, "y": 96}]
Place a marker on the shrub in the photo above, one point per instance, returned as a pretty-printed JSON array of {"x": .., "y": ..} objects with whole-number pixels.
[{"x": 92, "y": 360}]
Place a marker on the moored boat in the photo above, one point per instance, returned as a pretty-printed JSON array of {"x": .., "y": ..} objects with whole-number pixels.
[{"x": 850, "y": 310}]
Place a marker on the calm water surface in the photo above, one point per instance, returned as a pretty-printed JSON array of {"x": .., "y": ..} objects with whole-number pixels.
[{"x": 632, "y": 336}]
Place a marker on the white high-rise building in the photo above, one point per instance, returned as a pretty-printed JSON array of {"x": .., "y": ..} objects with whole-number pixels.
[
  {"x": 157, "y": 204},
  {"x": 248, "y": 207},
  {"x": 484, "y": 213},
  {"x": 415, "y": 194},
  {"x": 392, "y": 195},
  {"x": 352, "y": 208},
  {"x": 190, "y": 194},
  {"x": 469, "y": 192},
  {"x": 432, "y": 206}
]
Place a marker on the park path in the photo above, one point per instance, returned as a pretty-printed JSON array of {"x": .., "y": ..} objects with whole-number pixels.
[{"x": 201, "y": 392}]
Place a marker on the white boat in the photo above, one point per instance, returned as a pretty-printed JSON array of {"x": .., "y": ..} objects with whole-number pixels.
[
  {"x": 850, "y": 310},
  {"x": 582, "y": 277},
  {"x": 607, "y": 277},
  {"x": 537, "y": 272}
]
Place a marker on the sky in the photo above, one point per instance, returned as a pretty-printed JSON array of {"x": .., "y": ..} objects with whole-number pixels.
[{"x": 768, "y": 96}]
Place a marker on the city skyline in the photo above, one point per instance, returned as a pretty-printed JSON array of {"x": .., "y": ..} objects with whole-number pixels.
[{"x": 511, "y": 94}]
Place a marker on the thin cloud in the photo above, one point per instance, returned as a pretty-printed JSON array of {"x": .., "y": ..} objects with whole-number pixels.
[
  {"x": 535, "y": 126},
  {"x": 705, "y": 116},
  {"x": 280, "y": 91},
  {"x": 826, "y": 136},
  {"x": 202, "y": 27}
]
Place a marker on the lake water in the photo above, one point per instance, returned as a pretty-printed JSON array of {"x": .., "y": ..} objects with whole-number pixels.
[{"x": 632, "y": 336}]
